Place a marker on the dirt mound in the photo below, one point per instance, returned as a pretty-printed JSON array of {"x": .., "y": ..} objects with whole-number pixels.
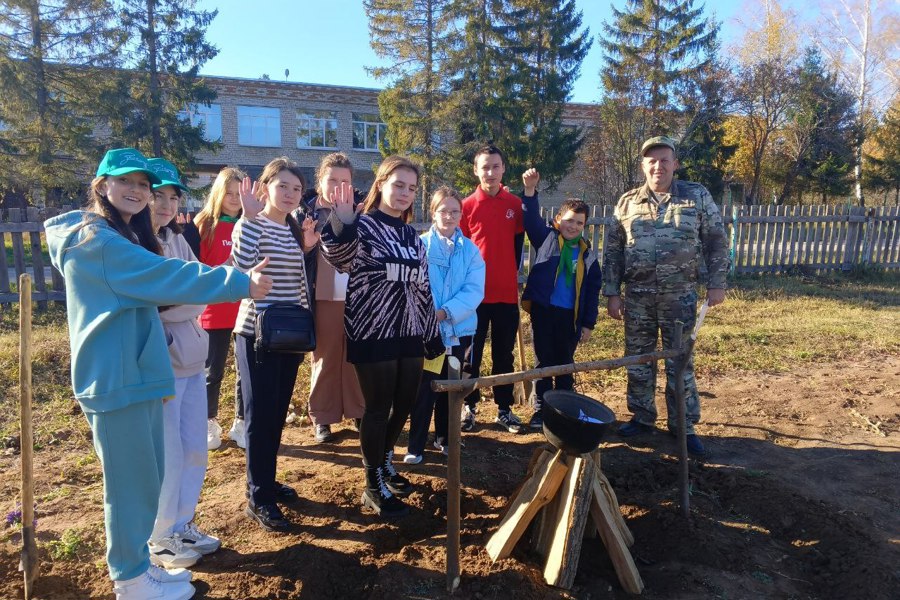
[{"x": 798, "y": 500}]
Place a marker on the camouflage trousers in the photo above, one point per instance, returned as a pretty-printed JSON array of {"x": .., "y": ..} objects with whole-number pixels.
[{"x": 647, "y": 314}]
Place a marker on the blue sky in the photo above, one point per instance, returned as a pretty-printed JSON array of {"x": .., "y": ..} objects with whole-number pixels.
[{"x": 328, "y": 42}]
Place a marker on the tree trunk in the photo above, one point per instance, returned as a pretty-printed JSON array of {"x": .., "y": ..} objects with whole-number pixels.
[
  {"x": 861, "y": 98},
  {"x": 155, "y": 100}
]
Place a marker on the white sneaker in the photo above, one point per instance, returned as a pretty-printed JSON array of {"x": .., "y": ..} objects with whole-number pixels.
[
  {"x": 412, "y": 459},
  {"x": 170, "y": 553},
  {"x": 148, "y": 587},
  {"x": 169, "y": 575},
  {"x": 196, "y": 540},
  {"x": 238, "y": 433},
  {"x": 213, "y": 434}
]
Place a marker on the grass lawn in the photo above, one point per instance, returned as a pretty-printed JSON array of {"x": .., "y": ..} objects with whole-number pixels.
[{"x": 766, "y": 324}]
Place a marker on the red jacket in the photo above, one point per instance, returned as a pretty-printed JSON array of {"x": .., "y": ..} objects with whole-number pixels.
[
  {"x": 216, "y": 316},
  {"x": 493, "y": 223}
]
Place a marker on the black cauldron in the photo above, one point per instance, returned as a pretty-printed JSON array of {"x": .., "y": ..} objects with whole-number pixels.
[{"x": 565, "y": 423}]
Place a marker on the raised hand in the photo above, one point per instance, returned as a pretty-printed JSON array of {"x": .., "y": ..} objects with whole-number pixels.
[
  {"x": 260, "y": 285},
  {"x": 310, "y": 235},
  {"x": 530, "y": 179},
  {"x": 342, "y": 201},
  {"x": 250, "y": 202}
]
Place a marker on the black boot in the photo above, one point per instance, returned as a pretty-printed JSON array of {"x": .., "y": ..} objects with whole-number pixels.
[
  {"x": 397, "y": 483},
  {"x": 379, "y": 498}
]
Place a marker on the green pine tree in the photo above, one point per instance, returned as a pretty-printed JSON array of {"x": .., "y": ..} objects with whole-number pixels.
[
  {"x": 167, "y": 47},
  {"x": 546, "y": 46},
  {"x": 650, "y": 48},
  {"x": 49, "y": 52},
  {"x": 416, "y": 36}
]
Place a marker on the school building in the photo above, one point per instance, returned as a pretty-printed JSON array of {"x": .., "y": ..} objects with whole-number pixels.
[{"x": 256, "y": 120}]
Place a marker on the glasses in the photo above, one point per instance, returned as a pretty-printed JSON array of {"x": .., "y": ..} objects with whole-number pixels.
[{"x": 453, "y": 214}]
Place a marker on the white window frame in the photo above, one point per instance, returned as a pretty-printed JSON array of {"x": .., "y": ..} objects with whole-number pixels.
[
  {"x": 366, "y": 120},
  {"x": 259, "y": 126},
  {"x": 310, "y": 122},
  {"x": 201, "y": 114}
]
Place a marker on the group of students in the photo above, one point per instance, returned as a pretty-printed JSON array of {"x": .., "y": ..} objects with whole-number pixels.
[{"x": 387, "y": 302}]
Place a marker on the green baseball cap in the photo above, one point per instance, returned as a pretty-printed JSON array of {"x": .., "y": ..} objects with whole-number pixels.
[
  {"x": 121, "y": 161},
  {"x": 167, "y": 173},
  {"x": 659, "y": 140}
]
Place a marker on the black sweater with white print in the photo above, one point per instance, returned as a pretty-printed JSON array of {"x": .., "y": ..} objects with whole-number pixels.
[{"x": 389, "y": 312}]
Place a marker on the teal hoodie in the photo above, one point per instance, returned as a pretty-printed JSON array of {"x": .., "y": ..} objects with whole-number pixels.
[{"x": 113, "y": 288}]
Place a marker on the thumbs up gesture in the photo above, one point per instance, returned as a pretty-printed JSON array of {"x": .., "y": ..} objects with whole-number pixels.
[{"x": 260, "y": 285}]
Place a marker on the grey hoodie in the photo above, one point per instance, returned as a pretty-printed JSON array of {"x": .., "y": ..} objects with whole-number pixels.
[{"x": 188, "y": 342}]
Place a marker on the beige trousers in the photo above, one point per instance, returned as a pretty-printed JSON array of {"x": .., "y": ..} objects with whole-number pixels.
[{"x": 334, "y": 392}]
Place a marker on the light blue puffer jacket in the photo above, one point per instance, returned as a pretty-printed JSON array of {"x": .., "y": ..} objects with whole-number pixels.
[{"x": 456, "y": 274}]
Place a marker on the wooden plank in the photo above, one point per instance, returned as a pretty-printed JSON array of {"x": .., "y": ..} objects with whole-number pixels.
[
  {"x": 565, "y": 549},
  {"x": 739, "y": 241},
  {"x": 55, "y": 296},
  {"x": 779, "y": 238},
  {"x": 610, "y": 494},
  {"x": 789, "y": 238},
  {"x": 758, "y": 238},
  {"x": 538, "y": 491},
  {"x": 18, "y": 244},
  {"x": 827, "y": 229},
  {"x": 768, "y": 235},
  {"x": 893, "y": 254},
  {"x": 814, "y": 235},
  {"x": 793, "y": 219},
  {"x": 37, "y": 258},
  {"x": 603, "y": 514},
  {"x": 4, "y": 272}
]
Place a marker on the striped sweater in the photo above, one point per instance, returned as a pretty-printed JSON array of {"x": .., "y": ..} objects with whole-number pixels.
[
  {"x": 389, "y": 311},
  {"x": 251, "y": 242}
]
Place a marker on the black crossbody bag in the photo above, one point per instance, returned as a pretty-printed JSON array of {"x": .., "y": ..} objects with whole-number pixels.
[{"x": 285, "y": 327}]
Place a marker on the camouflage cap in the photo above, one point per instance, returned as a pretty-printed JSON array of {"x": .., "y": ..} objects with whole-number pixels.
[{"x": 659, "y": 140}]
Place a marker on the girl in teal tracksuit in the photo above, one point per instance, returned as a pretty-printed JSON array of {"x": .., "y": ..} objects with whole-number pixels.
[{"x": 121, "y": 372}]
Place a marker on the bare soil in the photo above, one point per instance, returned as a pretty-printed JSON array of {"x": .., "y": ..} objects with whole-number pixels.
[{"x": 800, "y": 499}]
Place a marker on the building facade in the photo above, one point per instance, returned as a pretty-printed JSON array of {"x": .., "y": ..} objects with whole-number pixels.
[{"x": 257, "y": 120}]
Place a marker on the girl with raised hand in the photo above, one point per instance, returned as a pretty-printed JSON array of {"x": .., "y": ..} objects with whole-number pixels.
[
  {"x": 121, "y": 373},
  {"x": 267, "y": 230},
  {"x": 456, "y": 273},
  {"x": 389, "y": 317},
  {"x": 333, "y": 389},
  {"x": 209, "y": 236},
  {"x": 176, "y": 541}
]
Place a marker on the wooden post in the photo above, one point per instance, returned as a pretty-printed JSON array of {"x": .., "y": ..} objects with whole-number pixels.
[
  {"x": 683, "y": 482},
  {"x": 29, "y": 558},
  {"x": 453, "y": 476}
]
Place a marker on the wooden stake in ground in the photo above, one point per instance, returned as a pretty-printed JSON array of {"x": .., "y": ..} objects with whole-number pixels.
[
  {"x": 29, "y": 563},
  {"x": 453, "y": 479}
]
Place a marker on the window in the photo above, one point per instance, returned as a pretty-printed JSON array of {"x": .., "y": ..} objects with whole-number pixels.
[
  {"x": 316, "y": 129},
  {"x": 368, "y": 131},
  {"x": 259, "y": 126},
  {"x": 210, "y": 117}
]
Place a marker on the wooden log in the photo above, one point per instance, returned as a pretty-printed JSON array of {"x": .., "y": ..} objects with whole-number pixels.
[
  {"x": 603, "y": 514},
  {"x": 565, "y": 549},
  {"x": 538, "y": 491},
  {"x": 467, "y": 385},
  {"x": 30, "y": 564},
  {"x": 455, "y": 400},
  {"x": 613, "y": 501}
]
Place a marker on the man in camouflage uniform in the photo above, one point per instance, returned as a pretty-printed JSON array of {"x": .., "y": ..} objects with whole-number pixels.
[{"x": 653, "y": 248}]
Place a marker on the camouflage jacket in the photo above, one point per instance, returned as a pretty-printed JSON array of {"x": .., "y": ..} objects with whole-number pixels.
[{"x": 656, "y": 247}]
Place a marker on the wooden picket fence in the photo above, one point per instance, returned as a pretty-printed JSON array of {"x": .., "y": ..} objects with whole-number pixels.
[{"x": 763, "y": 239}]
